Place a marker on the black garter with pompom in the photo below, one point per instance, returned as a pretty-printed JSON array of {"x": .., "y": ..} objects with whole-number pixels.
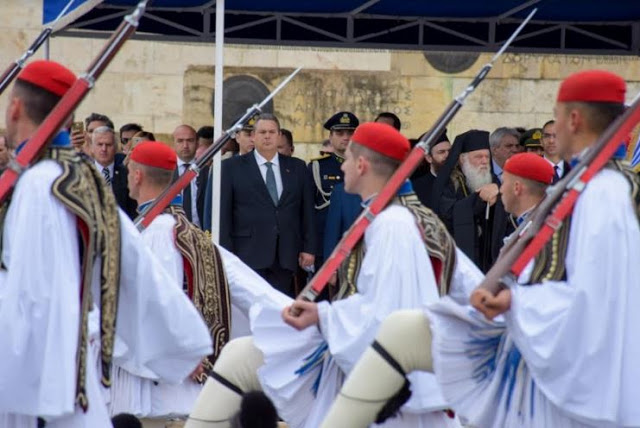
[{"x": 395, "y": 402}]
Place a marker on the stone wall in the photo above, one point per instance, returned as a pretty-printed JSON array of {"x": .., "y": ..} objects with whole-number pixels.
[{"x": 161, "y": 85}]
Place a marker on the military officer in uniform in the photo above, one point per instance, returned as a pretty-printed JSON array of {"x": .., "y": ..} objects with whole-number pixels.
[
  {"x": 244, "y": 137},
  {"x": 326, "y": 173},
  {"x": 240, "y": 144},
  {"x": 532, "y": 141}
]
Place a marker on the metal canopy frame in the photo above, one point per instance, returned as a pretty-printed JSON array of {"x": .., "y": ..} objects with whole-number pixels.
[{"x": 358, "y": 29}]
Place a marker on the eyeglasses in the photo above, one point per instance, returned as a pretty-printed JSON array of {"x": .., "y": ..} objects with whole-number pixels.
[
  {"x": 547, "y": 135},
  {"x": 125, "y": 140}
]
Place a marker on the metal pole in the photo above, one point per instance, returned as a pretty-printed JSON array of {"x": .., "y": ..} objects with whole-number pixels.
[
  {"x": 46, "y": 49},
  {"x": 217, "y": 112}
]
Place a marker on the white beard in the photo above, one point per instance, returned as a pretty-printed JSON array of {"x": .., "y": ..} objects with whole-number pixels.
[{"x": 475, "y": 177}]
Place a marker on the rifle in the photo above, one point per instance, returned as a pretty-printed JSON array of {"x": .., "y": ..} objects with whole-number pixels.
[
  {"x": 69, "y": 102},
  {"x": 161, "y": 202},
  {"x": 12, "y": 71},
  {"x": 355, "y": 232},
  {"x": 532, "y": 235}
]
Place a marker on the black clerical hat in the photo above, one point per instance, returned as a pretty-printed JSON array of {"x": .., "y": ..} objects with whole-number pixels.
[
  {"x": 470, "y": 141},
  {"x": 466, "y": 142}
]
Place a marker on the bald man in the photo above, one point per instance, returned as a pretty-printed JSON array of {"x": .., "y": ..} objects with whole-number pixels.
[{"x": 185, "y": 142}]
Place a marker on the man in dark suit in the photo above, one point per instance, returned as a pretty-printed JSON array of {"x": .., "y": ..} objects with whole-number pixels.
[
  {"x": 266, "y": 208},
  {"x": 504, "y": 143},
  {"x": 185, "y": 141},
  {"x": 548, "y": 141},
  {"x": 103, "y": 150}
]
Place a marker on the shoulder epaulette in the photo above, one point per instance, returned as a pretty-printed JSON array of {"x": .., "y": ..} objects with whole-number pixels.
[{"x": 320, "y": 157}]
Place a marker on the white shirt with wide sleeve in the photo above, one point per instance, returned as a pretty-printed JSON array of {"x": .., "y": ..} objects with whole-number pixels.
[
  {"x": 396, "y": 273},
  {"x": 159, "y": 333},
  {"x": 566, "y": 353},
  {"x": 579, "y": 337},
  {"x": 169, "y": 399}
]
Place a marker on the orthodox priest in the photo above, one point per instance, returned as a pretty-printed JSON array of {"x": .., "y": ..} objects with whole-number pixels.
[
  {"x": 196, "y": 267},
  {"x": 467, "y": 199},
  {"x": 435, "y": 156},
  {"x": 302, "y": 369},
  {"x": 66, "y": 248},
  {"x": 561, "y": 344}
]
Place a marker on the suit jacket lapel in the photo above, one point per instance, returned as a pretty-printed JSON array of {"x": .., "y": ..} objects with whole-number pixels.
[
  {"x": 115, "y": 180},
  {"x": 255, "y": 176},
  {"x": 286, "y": 175}
]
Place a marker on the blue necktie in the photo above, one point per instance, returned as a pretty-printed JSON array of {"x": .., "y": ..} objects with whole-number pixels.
[
  {"x": 271, "y": 183},
  {"x": 556, "y": 173}
]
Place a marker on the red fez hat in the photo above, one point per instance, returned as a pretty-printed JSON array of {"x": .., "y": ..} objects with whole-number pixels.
[
  {"x": 530, "y": 166},
  {"x": 593, "y": 86},
  {"x": 155, "y": 154},
  {"x": 382, "y": 138},
  {"x": 49, "y": 76}
]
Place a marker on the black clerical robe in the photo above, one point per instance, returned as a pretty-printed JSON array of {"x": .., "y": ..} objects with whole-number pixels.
[{"x": 465, "y": 215}]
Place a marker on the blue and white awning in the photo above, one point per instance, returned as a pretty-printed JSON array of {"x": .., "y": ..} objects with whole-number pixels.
[{"x": 560, "y": 26}]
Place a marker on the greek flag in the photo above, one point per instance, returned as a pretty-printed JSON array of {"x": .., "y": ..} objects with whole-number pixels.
[{"x": 635, "y": 157}]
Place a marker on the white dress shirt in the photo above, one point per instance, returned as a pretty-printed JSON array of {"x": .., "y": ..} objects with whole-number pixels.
[
  {"x": 276, "y": 169},
  {"x": 194, "y": 192},
  {"x": 560, "y": 165}
]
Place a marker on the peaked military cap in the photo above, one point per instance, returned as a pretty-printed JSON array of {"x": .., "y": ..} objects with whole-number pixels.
[
  {"x": 342, "y": 120},
  {"x": 248, "y": 125},
  {"x": 532, "y": 138}
]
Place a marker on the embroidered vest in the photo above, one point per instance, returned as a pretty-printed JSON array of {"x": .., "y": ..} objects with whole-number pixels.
[
  {"x": 205, "y": 280},
  {"x": 549, "y": 264},
  {"x": 82, "y": 190},
  {"x": 439, "y": 245}
]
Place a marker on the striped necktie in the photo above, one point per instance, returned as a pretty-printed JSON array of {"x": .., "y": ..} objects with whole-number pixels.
[{"x": 107, "y": 175}]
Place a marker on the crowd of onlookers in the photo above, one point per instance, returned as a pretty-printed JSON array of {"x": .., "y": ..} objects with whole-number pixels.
[{"x": 283, "y": 217}]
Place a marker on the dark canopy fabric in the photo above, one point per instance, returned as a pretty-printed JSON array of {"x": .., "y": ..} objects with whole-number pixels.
[{"x": 560, "y": 26}]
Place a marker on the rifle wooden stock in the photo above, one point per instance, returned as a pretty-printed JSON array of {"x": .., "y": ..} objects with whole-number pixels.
[
  {"x": 68, "y": 103},
  {"x": 560, "y": 200}
]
